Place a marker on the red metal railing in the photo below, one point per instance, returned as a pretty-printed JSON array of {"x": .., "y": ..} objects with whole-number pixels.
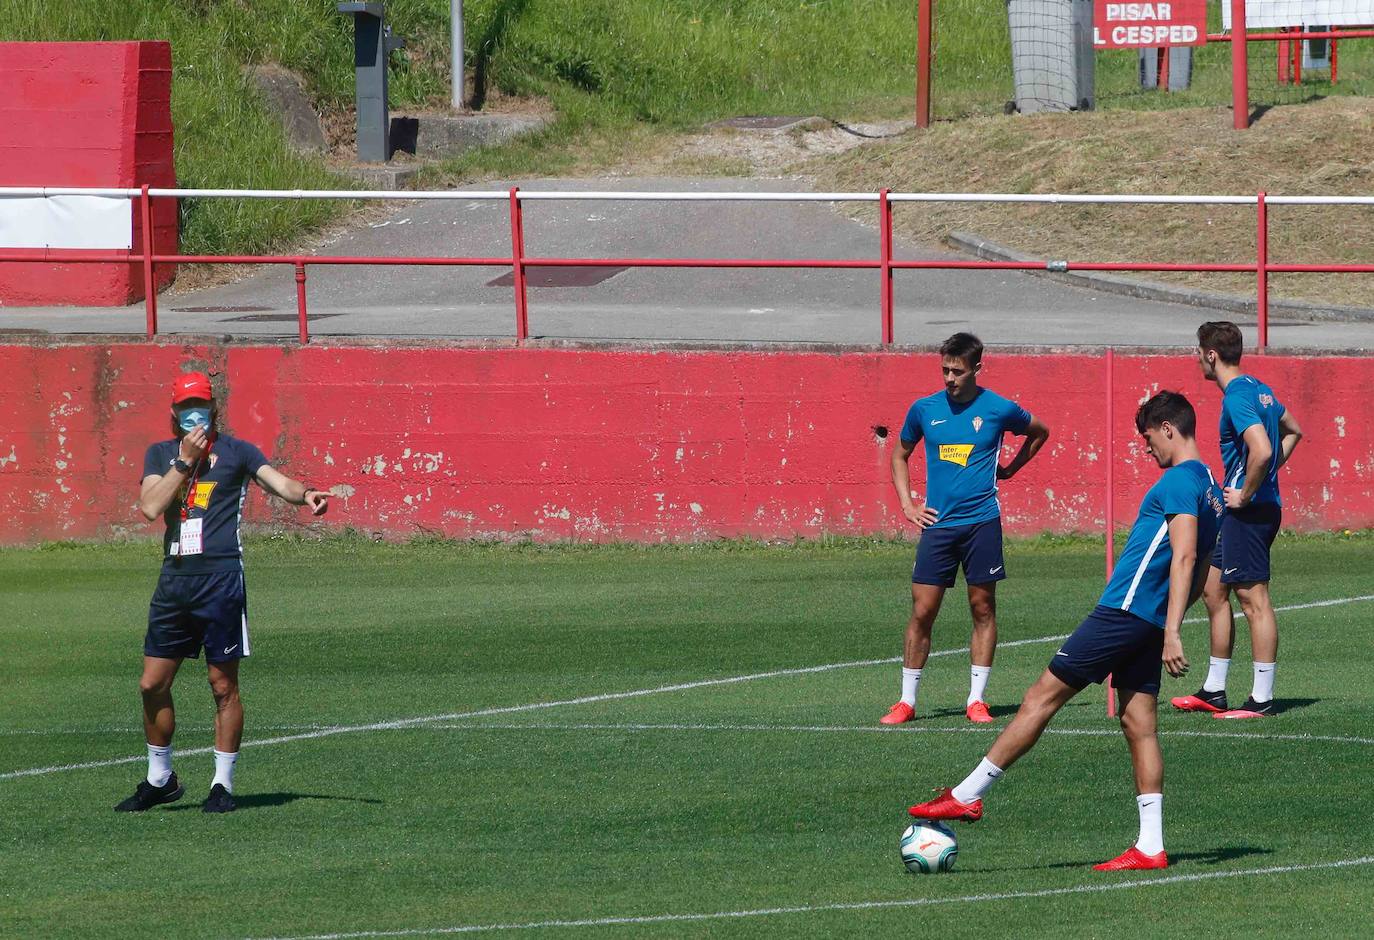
[{"x": 520, "y": 262}]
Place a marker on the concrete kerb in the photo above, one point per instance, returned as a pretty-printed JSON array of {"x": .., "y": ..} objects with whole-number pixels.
[{"x": 980, "y": 247}]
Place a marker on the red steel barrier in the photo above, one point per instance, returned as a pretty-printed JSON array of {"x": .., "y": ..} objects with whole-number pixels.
[{"x": 884, "y": 264}]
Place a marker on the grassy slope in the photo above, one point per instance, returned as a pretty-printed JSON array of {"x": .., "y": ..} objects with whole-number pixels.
[
  {"x": 1317, "y": 148},
  {"x": 437, "y": 826}
]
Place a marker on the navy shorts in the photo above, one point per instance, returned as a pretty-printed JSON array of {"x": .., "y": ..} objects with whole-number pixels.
[
  {"x": 1242, "y": 551},
  {"x": 191, "y": 611},
  {"x": 1112, "y": 642},
  {"x": 978, "y": 547}
]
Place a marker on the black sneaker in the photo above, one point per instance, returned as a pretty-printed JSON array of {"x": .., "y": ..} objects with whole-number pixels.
[
  {"x": 219, "y": 801},
  {"x": 1203, "y": 701},
  {"x": 147, "y": 796},
  {"x": 1251, "y": 709}
]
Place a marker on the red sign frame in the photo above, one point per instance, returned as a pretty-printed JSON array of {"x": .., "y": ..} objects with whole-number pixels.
[{"x": 1122, "y": 25}]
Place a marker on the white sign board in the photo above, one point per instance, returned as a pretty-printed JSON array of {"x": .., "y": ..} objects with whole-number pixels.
[
  {"x": 1272, "y": 14},
  {"x": 66, "y": 222}
]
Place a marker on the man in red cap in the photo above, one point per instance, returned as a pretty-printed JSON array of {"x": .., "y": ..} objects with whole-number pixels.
[{"x": 197, "y": 482}]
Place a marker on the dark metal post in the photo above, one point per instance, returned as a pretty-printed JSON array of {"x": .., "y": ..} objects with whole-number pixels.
[{"x": 372, "y": 44}]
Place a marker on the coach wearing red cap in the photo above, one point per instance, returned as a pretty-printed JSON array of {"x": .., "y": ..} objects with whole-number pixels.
[{"x": 197, "y": 482}]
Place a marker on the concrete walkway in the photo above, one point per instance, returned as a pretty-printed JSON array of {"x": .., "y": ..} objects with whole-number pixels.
[{"x": 800, "y": 306}]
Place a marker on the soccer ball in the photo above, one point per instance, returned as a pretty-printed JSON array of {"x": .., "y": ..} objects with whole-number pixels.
[{"x": 928, "y": 846}]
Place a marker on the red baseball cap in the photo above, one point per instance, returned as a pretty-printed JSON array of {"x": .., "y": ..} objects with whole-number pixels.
[{"x": 191, "y": 385}]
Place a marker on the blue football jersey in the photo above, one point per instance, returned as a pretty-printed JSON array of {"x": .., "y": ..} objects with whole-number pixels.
[
  {"x": 963, "y": 442},
  {"x": 1140, "y": 580},
  {"x": 1247, "y": 402}
]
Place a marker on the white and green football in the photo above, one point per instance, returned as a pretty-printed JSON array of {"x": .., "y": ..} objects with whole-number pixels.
[{"x": 929, "y": 847}]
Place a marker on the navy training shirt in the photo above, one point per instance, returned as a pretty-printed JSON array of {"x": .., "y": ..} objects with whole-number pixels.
[
  {"x": 1246, "y": 402},
  {"x": 1140, "y": 580},
  {"x": 963, "y": 444},
  {"x": 221, "y": 485}
]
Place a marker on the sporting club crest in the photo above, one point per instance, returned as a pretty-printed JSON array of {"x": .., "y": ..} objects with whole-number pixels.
[{"x": 977, "y": 423}]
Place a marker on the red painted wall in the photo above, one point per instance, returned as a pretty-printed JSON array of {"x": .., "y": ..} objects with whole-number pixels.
[
  {"x": 87, "y": 114},
  {"x": 604, "y": 444}
]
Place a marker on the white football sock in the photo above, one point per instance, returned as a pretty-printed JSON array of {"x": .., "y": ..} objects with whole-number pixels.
[
  {"x": 979, "y": 782},
  {"x": 911, "y": 680},
  {"x": 1216, "y": 675},
  {"x": 1264, "y": 682},
  {"x": 977, "y": 684},
  {"x": 224, "y": 770},
  {"x": 159, "y": 764},
  {"x": 1151, "y": 806}
]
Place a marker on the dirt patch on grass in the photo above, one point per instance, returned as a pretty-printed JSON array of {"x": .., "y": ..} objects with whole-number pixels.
[
  {"x": 1317, "y": 148},
  {"x": 724, "y": 151}
]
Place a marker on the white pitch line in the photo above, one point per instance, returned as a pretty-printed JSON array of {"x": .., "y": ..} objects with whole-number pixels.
[
  {"x": 499, "y": 710},
  {"x": 876, "y": 729},
  {"x": 851, "y": 906},
  {"x": 584, "y": 700}
]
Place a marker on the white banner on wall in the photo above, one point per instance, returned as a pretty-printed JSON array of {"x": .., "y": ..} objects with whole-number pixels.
[
  {"x": 1272, "y": 14},
  {"x": 66, "y": 222}
]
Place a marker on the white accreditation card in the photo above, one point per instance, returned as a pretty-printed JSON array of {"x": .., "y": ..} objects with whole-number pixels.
[{"x": 190, "y": 537}]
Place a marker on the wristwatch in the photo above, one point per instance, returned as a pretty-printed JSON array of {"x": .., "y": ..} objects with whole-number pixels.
[{"x": 180, "y": 466}]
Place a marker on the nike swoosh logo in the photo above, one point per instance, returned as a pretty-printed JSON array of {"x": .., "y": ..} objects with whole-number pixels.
[
  {"x": 941, "y": 421},
  {"x": 995, "y": 570},
  {"x": 1061, "y": 653},
  {"x": 230, "y": 649},
  {"x": 1229, "y": 570}
]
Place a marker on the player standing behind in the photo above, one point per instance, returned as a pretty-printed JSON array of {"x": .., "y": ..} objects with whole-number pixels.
[
  {"x": 197, "y": 482},
  {"x": 1257, "y": 437},
  {"x": 1134, "y": 628},
  {"x": 960, "y": 520}
]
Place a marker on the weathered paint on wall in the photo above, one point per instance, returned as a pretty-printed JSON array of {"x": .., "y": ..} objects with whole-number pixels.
[{"x": 620, "y": 444}]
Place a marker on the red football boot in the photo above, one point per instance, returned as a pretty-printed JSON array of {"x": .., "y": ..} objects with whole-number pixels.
[
  {"x": 1203, "y": 701},
  {"x": 945, "y": 806},
  {"x": 898, "y": 714},
  {"x": 1251, "y": 709},
  {"x": 978, "y": 713},
  {"x": 1134, "y": 860}
]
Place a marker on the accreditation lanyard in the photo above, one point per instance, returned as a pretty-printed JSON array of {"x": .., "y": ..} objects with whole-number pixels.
[{"x": 189, "y": 534}]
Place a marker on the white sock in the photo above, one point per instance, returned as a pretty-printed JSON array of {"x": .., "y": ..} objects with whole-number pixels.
[
  {"x": 911, "y": 680},
  {"x": 1216, "y": 675},
  {"x": 979, "y": 782},
  {"x": 977, "y": 684},
  {"x": 159, "y": 764},
  {"x": 224, "y": 770},
  {"x": 1151, "y": 806},
  {"x": 1264, "y": 682}
]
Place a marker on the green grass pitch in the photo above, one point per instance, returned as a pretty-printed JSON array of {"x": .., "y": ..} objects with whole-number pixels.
[{"x": 641, "y": 814}]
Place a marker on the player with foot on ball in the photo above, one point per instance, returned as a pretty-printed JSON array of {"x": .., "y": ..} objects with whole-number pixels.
[{"x": 1133, "y": 630}]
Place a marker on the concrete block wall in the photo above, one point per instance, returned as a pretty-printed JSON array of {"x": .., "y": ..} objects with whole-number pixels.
[
  {"x": 645, "y": 445},
  {"x": 93, "y": 114}
]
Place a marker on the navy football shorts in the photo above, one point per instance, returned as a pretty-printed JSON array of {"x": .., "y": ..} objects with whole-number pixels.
[
  {"x": 1242, "y": 551},
  {"x": 191, "y": 611},
  {"x": 1116, "y": 643},
  {"x": 978, "y": 547}
]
